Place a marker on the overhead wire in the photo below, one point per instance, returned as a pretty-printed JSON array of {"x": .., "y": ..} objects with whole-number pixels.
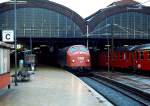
[{"x": 145, "y": 2}]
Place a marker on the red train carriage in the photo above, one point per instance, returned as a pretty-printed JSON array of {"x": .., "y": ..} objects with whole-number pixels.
[
  {"x": 75, "y": 58},
  {"x": 103, "y": 59},
  {"x": 130, "y": 57},
  {"x": 4, "y": 65},
  {"x": 123, "y": 57},
  {"x": 142, "y": 57}
]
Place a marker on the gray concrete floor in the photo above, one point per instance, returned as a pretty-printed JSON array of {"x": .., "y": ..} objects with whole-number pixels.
[{"x": 50, "y": 87}]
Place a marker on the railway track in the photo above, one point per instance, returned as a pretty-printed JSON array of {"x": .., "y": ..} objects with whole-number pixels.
[{"x": 117, "y": 93}]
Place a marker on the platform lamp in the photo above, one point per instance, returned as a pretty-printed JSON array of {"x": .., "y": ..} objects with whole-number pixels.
[
  {"x": 15, "y": 38},
  {"x": 111, "y": 25},
  {"x": 15, "y": 29},
  {"x": 108, "y": 46},
  {"x": 108, "y": 43},
  {"x": 87, "y": 36}
]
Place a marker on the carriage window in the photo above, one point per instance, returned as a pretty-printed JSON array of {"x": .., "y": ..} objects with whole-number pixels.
[
  {"x": 148, "y": 54},
  {"x": 121, "y": 55},
  {"x": 141, "y": 55},
  {"x": 107, "y": 55},
  {"x": 116, "y": 56},
  {"x": 125, "y": 56},
  {"x": 137, "y": 55}
]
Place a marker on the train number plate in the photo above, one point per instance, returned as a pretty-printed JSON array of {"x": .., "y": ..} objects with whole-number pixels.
[{"x": 81, "y": 58}]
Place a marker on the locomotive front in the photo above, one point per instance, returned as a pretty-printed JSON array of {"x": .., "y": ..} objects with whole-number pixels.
[{"x": 78, "y": 58}]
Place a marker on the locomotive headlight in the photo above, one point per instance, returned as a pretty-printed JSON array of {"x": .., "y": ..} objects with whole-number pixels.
[
  {"x": 73, "y": 60},
  {"x": 88, "y": 60}
]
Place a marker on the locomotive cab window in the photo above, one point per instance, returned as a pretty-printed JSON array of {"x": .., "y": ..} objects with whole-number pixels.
[
  {"x": 73, "y": 49},
  {"x": 141, "y": 55},
  {"x": 83, "y": 49}
]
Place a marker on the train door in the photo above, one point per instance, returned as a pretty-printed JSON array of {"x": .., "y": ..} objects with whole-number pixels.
[
  {"x": 147, "y": 60},
  {"x": 139, "y": 58},
  {"x": 126, "y": 59},
  {"x": 134, "y": 56}
]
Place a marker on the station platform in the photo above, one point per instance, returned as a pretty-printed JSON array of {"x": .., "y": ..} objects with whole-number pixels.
[{"x": 52, "y": 87}]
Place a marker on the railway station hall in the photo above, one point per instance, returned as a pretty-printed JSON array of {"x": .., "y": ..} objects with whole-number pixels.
[{"x": 50, "y": 55}]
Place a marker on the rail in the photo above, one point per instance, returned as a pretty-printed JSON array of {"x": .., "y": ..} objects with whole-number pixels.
[{"x": 131, "y": 92}]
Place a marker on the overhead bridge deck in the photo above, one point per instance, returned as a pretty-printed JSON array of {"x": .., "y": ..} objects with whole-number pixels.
[{"x": 52, "y": 87}]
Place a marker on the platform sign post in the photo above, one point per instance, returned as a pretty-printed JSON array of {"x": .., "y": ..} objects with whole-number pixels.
[
  {"x": 87, "y": 36},
  {"x": 15, "y": 29},
  {"x": 112, "y": 41},
  {"x": 8, "y": 35}
]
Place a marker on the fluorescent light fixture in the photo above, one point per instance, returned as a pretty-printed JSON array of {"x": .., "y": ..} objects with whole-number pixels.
[
  {"x": 19, "y": 46},
  {"x": 27, "y": 51},
  {"x": 36, "y": 48},
  {"x": 125, "y": 45},
  {"x": 107, "y": 45},
  {"x": 43, "y": 45}
]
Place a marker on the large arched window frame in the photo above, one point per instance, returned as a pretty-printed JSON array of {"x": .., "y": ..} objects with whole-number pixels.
[
  {"x": 126, "y": 25},
  {"x": 40, "y": 23}
]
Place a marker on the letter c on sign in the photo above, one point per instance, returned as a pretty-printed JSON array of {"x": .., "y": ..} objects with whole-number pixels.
[{"x": 7, "y": 36}]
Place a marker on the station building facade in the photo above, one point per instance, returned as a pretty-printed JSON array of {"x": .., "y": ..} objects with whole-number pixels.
[
  {"x": 38, "y": 19},
  {"x": 124, "y": 19},
  {"x": 41, "y": 19}
]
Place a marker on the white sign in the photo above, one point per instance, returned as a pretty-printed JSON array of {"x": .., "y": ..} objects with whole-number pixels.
[{"x": 8, "y": 36}]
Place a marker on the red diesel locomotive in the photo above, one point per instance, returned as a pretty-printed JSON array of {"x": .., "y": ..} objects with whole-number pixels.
[
  {"x": 75, "y": 58},
  {"x": 130, "y": 57}
]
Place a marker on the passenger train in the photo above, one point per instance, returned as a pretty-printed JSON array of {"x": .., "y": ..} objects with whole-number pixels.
[
  {"x": 75, "y": 58},
  {"x": 131, "y": 57}
]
